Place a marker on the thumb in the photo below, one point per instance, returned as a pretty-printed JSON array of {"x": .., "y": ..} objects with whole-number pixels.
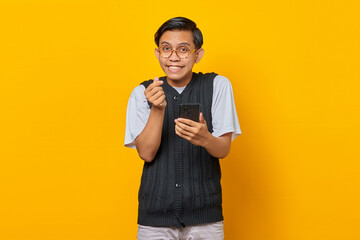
[
  {"x": 156, "y": 79},
  {"x": 201, "y": 118}
]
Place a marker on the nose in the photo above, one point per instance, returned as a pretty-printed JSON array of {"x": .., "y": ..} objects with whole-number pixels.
[{"x": 174, "y": 57}]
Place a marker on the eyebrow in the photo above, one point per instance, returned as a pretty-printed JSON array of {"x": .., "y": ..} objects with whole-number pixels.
[{"x": 182, "y": 43}]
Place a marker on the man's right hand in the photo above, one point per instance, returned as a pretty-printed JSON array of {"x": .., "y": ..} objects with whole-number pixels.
[
  {"x": 154, "y": 93},
  {"x": 148, "y": 141}
]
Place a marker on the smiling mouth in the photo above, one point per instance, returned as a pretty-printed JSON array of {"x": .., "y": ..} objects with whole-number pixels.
[{"x": 174, "y": 68}]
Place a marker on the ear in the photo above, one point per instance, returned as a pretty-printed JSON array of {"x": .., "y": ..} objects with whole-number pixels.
[
  {"x": 157, "y": 54},
  {"x": 199, "y": 55}
]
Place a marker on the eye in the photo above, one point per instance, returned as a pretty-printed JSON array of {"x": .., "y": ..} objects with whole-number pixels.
[
  {"x": 183, "y": 49},
  {"x": 165, "y": 48}
]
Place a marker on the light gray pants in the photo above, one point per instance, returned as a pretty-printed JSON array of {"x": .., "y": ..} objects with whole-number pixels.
[{"x": 209, "y": 231}]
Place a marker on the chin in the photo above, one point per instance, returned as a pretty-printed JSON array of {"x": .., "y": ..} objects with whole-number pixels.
[{"x": 174, "y": 76}]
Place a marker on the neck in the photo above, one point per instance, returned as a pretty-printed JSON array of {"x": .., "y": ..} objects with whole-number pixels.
[{"x": 181, "y": 82}]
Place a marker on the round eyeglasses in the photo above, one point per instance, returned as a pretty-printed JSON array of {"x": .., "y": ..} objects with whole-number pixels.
[{"x": 182, "y": 52}]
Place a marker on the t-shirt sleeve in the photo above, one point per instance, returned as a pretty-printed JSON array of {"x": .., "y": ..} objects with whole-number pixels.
[
  {"x": 223, "y": 110},
  {"x": 137, "y": 114}
]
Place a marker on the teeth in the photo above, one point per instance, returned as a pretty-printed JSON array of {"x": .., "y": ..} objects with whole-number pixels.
[{"x": 175, "y": 68}]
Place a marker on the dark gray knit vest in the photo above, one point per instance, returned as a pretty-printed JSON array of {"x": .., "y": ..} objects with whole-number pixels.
[{"x": 181, "y": 186}]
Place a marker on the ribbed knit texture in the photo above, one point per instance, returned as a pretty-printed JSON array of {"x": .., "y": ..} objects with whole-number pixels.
[{"x": 181, "y": 186}]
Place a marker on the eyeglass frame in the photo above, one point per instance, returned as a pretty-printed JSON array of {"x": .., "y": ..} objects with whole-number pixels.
[{"x": 176, "y": 50}]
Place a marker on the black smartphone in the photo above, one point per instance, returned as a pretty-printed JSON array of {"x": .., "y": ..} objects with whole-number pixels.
[{"x": 190, "y": 111}]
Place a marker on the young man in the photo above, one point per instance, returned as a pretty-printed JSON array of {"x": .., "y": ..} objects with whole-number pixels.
[{"x": 180, "y": 193}]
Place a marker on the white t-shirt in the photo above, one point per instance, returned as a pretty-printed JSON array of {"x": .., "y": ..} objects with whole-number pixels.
[{"x": 223, "y": 111}]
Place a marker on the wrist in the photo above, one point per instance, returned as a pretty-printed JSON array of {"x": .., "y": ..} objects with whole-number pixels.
[
  {"x": 208, "y": 140},
  {"x": 159, "y": 110}
]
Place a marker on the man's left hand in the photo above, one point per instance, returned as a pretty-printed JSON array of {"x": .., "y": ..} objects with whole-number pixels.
[{"x": 195, "y": 132}]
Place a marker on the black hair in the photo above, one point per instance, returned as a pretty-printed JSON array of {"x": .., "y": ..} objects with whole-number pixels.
[{"x": 180, "y": 23}]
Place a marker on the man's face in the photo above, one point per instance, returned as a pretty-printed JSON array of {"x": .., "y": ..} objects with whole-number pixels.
[{"x": 178, "y": 70}]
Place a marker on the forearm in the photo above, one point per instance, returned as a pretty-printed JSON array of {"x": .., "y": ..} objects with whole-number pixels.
[
  {"x": 218, "y": 147},
  {"x": 148, "y": 141}
]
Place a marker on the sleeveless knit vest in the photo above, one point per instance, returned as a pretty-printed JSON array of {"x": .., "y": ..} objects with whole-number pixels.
[{"x": 181, "y": 186}]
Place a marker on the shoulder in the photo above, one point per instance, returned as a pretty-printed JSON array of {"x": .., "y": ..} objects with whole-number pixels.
[
  {"x": 147, "y": 83},
  {"x": 221, "y": 82},
  {"x": 219, "y": 79},
  {"x": 205, "y": 79},
  {"x": 208, "y": 75},
  {"x": 138, "y": 93}
]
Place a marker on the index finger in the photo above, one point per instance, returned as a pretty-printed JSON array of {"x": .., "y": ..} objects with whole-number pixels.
[
  {"x": 187, "y": 121},
  {"x": 154, "y": 84}
]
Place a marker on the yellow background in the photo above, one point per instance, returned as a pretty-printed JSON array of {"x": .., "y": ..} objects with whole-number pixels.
[{"x": 67, "y": 69}]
